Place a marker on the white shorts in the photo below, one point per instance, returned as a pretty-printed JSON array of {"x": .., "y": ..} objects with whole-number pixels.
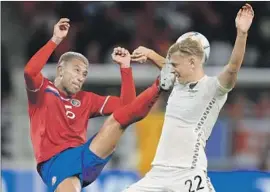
[{"x": 168, "y": 179}]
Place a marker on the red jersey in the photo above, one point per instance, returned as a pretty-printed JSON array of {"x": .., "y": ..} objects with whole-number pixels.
[{"x": 59, "y": 122}]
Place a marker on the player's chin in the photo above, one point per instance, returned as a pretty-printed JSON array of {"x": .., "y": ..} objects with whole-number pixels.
[
  {"x": 73, "y": 91},
  {"x": 180, "y": 79}
]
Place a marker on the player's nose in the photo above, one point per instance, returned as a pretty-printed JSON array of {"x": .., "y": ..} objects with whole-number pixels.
[
  {"x": 174, "y": 70},
  {"x": 80, "y": 79}
]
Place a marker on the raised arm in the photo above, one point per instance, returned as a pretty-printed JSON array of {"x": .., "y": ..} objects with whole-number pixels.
[
  {"x": 32, "y": 71},
  {"x": 128, "y": 92},
  {"x": 141, "y": 54},
  {"x": 106, "y": 105},
  {"x": 228, "y": 76}
]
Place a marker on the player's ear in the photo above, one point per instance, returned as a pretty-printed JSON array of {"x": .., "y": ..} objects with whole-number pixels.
[
  {"x": 60, "y": 70},
  {"x": 192, "y": 62}
]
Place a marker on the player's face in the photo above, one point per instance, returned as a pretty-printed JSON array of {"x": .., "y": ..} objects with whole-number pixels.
[
  {"x": 183, "y": 66},
  {"x": 74, "y": 75}
]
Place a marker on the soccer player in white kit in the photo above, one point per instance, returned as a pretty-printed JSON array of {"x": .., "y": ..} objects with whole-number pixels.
[{"x": 180, "y": 163}]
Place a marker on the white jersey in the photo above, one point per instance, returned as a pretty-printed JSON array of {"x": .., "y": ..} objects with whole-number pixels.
[{"x": 191, "y": 113}]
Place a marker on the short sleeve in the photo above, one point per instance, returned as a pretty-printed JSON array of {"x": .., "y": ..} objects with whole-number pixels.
[
  {"x": 103, "y": 105},
  {"x": 35, "y": 95},
  {"x": 97, "y": 104},
  {"x": 214, "y": 86}
]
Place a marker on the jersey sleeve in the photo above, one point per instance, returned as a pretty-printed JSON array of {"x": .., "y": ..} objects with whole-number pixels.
[
  {"x": 106, "y": 105},
  {"x": 34, "y": 80},
  {"x": 128, "y": 91},
  {"x": 103, "y": 105},
  {"x": 35, "y": 95},
  {"x": 216, "y": 88}
]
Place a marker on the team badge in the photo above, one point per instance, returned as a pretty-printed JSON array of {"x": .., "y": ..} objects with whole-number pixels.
[{"x": 75, "y": 102}]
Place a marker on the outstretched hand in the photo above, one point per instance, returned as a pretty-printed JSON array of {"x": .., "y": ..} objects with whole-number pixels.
[
  {"x": 140, "y": 54},
  {"x": 244, "y": 18}
]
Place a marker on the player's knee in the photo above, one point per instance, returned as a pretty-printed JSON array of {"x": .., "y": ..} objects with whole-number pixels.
[
  {"x": 116, "y": 121},
  {"x": 110, "y": 120},
  {"x": 128, "y": 118},
  {"x": 71, "y": 184}
]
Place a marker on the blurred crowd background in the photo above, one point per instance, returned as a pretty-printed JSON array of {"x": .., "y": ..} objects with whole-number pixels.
[{"x": 241, "y": 138}]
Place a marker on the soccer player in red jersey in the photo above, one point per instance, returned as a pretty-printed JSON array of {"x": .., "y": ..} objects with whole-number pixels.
[{"x": 59, "y": 113}]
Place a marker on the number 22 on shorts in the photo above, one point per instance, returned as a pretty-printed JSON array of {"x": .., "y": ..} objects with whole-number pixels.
[{"x": 197, "y": 181}]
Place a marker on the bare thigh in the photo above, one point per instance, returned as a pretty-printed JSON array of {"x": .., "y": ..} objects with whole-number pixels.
[
  {"x": 71, "y": 184},
  {"x": 107, "y": 138}
]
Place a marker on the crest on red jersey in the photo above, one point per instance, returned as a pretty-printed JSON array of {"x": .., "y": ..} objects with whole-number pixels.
[{"x": 75, "y": 102}]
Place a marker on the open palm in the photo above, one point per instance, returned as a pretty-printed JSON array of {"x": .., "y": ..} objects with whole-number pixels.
[{"x": 244, "y": 18}]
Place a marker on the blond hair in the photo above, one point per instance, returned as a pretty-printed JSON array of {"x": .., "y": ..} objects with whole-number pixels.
[
  {"x": 187, "y": 47},
  {"x": 72, "y": 55}
]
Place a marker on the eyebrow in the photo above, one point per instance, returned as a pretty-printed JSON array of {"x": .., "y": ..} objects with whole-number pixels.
[
  {"x": 173, "y": 63},
  {"x": 78, "y": 66}
]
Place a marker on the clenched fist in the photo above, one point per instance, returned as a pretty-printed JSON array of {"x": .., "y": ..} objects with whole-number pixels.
[
  {"x": 60, "y": 30},
  {"x": 121, "y": 56}
]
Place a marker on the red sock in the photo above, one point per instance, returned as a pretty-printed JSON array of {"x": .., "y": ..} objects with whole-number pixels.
[{"x": 139, "y": 108}]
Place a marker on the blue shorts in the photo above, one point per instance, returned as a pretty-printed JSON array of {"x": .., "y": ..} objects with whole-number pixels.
[{"x": 79, "y": 161}]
